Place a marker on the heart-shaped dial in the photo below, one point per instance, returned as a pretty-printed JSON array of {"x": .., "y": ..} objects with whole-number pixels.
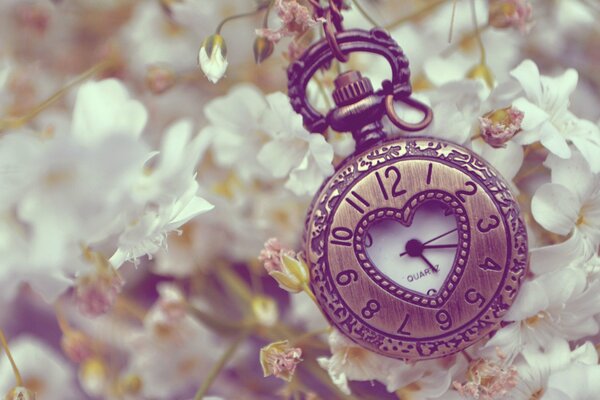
[
  {"x": 418, "y": 214},
  {"x": 419, "y": 256},
  {"x": 416, "y": 248}
]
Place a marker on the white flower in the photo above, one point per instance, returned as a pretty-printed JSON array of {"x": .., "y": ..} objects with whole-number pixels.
[
  {"x": 20, "y": 393},
  {"x": 245, "y": 215},
  {"x": 546, "y": 102},
  {"x": 91, "y": 187},
  {"x": 105, "y": 108},
  {"x": 68, "y": 190},
  {"x": 507, "y": 160},
  {"x": 264, "y": 138},
  {"x": 557, "y": 304},
  {"x": 578, "y": 381},
  {"x": 571, "y": 201},
  {"x": 177, "y": 337},
  {"x": 551, "y": 258},
  {"x": 39, "y": 365},
  {"x": 213, "y": 58},
  {"x": 539, "y": 370},
  {"x": 350, "y": 362},
  {"x": 457, "y": 107},
  {"x": 70, "y": 194},
  {"x": 235, "y": 126},
  {"x": 152, "y": 38},
  {"x": 169, "y": 193},
  {"x": 306, "y": 158}
]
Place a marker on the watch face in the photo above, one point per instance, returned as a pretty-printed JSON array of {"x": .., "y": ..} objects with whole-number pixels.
[
  {"x": 418, "y": 257},
  {"x": 416, "y": 248}
]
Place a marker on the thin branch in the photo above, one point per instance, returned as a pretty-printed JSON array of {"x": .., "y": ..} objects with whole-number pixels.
[
  {"x": 4, "y": 343},
  {"x": 364, "y": 13},
  {"x": 416, "y": 15},
  {"x": 221, "y": 363}
]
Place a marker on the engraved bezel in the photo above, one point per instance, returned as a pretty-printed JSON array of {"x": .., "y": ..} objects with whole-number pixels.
[{"x": 474, "y": 296}]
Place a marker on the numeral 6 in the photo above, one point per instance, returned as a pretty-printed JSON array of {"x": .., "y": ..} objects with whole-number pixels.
[
  {"x": 443, "y": 318},
  {"x": 346, "y": 277}
]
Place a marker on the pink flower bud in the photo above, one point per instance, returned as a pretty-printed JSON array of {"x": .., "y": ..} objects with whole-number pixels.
[
  {"x": 285, "y": 266},
  {"x": 295, "y": 20},
  {"x": 498, "y": 127},
  {"x": 95, "y": 294},
  {"x": 488, "y": 379},
  {"x": 77, "y": 346},
  {"x": 280, "y": 360},
  {"x": 510, "y": 13}
]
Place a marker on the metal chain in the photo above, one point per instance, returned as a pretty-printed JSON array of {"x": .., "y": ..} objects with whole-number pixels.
[{"x": 332, "y": 24}]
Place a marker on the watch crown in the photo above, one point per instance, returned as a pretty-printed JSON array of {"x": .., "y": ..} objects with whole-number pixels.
[{"x": 351, "y": 87}]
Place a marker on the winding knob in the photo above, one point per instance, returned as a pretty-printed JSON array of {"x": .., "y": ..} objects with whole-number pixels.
[{"x": 351, "y": 87}]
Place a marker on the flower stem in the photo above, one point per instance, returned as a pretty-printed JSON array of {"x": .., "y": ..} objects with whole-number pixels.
[
  {"x": 316, "y": 371},
  {"x": 323, "y": 92},
  {"x": 215, "y": 322},
  {"x": 130, "y": 307},
  {"x": 17, "y": 122},
  {"x": 238, "y": 16},
  {"x": 364, "y": 13},
  {"x": 4, "y": 343},
  {"x": 539, "y": 168},
  {"x": 467, "y": 356},
  {"x": 455, "y": 46},
  {"x": 221, "y": 363},
  {"x": 416, "y": 15},
  {"x": 63, "y": 324},
  {"x": 452, "y": 19},
  {"x": 310, "y": 294},
  {"x": 298, "y": 340},
  {"x": 268, "y": 13},
  {"x": 478, "y": 33}
]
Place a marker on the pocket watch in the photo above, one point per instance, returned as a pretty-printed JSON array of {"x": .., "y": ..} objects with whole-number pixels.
[{"x": 416, "y": 245}]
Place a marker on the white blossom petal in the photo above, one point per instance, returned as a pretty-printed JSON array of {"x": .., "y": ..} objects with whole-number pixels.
[
  {"x": 556, "y": 208},
  {"x": 105, "y": 108}
]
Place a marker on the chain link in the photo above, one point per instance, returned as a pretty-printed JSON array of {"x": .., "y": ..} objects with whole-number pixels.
[{"x": 332, "y": 18}]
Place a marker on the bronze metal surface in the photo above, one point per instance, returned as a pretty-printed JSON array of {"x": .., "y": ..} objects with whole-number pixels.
[{"x": 391, "y": 181}]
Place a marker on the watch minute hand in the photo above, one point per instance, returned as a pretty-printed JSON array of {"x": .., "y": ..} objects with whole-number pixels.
[
  {"x": 441, "y": 236},
  {"x": 440, "y": 246}
]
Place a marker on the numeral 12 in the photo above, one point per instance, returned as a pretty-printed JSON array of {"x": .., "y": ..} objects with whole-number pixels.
[{"x": 393, "y": 170}]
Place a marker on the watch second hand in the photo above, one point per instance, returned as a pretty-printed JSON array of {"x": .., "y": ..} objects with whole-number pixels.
[{"x": 429, "y": 263}]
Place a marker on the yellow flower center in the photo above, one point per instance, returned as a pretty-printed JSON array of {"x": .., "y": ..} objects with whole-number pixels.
[{"x": 537, "y": 395}]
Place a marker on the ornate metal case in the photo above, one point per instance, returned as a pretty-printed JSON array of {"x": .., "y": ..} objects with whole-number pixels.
[{"x": 391, "y": 181}]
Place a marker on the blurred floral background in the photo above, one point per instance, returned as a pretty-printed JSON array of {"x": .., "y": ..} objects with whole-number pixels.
[{"x": 154, "y": 182}]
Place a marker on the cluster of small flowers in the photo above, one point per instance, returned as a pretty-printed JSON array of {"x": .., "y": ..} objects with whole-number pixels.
[
  {"x": 79, "y": 203},
  {"x": 97, "y": 178}
]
